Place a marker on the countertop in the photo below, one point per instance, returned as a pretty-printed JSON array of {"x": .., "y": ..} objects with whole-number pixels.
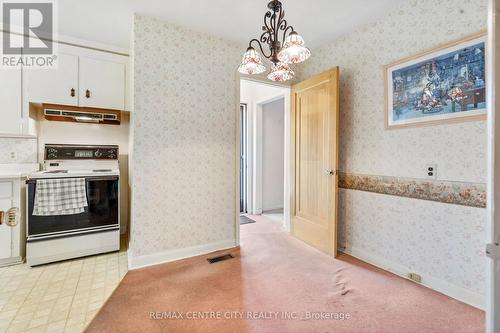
[{"x": 11, "y": 171}]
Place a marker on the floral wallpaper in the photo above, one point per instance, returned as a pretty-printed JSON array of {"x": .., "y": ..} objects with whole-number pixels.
[
  {"x": 440, "y": 240},
  {"x": 184, "y": 131},
  {"x": 25, "y": 149},
  {"x": 443, "y": 240}
]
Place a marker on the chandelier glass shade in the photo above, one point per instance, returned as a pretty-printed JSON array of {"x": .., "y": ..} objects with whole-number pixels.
[
  {"x": 280, "y": 72},
  {"x": 294, "y": 51},
  {"x": 284, "y": 46},
  {"x": 251, "y": 63}
]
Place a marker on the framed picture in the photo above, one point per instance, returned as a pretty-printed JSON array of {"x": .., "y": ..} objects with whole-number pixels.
[{"x": 446, "y": 84}]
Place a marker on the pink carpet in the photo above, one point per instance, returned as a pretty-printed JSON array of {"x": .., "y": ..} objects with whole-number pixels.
[{"x": 274, "y": 284}]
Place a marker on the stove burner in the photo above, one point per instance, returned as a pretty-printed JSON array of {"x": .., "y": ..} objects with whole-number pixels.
[
  {"x": 57, "y": 171},
  {"x": 102, "y": 170}
]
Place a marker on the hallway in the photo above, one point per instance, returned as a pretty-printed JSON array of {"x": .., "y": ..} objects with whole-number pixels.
[{"x": 276, "y": 283}]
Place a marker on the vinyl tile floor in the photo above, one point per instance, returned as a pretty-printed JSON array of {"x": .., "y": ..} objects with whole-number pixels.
[{"x": 58, "y": 297}]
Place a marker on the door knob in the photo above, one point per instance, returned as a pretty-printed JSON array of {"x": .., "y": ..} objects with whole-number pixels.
[{"x": 330, "y": 172}]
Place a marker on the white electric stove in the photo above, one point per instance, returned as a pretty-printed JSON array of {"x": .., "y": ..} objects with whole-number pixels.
[{"x": 97, "y": 229}]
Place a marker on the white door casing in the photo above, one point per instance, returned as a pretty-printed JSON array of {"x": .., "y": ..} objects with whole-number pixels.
[{"x": 493, "y": 180}]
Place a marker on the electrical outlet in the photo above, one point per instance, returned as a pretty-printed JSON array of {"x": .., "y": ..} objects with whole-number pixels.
[
  {"x": 415, "y": 277},
  {"x": 431, "y": 171},
  {"x": 13, "y": 156}
]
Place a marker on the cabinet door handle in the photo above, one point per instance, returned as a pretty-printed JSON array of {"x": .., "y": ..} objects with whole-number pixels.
[
  {"x": 10, "y": 217},
  {"x": 87, "y": 93},
  {"x": 72, "y": 92}
]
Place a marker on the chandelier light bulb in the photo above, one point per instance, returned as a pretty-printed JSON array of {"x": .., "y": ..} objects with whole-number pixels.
[
  {"x": 251, "y": 63},
  {"x": 294, "y": 51}
]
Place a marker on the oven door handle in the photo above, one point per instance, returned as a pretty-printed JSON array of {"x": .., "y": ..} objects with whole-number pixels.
[{"x": 92, "y": 179}]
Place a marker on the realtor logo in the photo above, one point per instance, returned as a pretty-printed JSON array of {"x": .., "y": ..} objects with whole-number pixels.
[{"x": 27, "y": 36}]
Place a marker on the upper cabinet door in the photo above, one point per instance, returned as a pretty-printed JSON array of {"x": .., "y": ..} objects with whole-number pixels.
[
  {"x": 11, "y": 114},
  {"x": 57, "y": 85},
  {"x": 102, "y": 83}
]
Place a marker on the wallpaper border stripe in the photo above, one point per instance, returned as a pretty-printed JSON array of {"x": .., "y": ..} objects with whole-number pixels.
[{"x": 458, "y": 193}]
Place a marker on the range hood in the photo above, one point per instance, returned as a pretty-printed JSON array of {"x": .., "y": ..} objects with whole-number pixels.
[{"x": 68, "y": 113}]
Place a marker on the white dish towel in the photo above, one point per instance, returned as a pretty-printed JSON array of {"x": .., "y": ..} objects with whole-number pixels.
[{"x": 61, "y": 196}]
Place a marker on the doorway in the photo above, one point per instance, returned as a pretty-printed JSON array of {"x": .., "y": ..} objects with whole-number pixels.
[{"x": 264, "y": 147}]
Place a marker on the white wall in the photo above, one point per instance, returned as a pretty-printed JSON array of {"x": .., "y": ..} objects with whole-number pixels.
[
  {"x": 184, "y": 129},
  {"x": 57, "y": 132},
  {"x": 273, "y": 154},
  {"x": 443, "y": 242},
  {"x": 24, "y": 149}
]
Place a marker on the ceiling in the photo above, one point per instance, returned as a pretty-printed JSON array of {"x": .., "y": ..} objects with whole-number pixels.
[{"x": 318, "y": 21}]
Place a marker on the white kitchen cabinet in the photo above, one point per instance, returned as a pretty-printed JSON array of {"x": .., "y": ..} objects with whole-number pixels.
[
  {"x": 83, "y": 77},
  {"x": 102, "y": 83},
  {"x": 12, "y": 194},
  {"x": 5, "y": 231},
  {"x": 55, "y": 85},
  {"x": 11, "y": 112}
]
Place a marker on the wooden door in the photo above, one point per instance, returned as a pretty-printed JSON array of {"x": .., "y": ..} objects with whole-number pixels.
[
  {"x": 102, "y": 83},
  {"x": 315, "y": 118},
  {"x": 57, "y": 85}
]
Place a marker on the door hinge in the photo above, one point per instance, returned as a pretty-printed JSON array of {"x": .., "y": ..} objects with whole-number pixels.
[{"x": 493, "y": 251}]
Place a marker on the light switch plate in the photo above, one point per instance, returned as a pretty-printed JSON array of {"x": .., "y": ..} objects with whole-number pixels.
[{"x": 431, "y": 171}]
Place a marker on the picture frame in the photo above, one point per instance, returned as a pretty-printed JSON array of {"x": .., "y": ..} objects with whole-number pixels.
[{"x": 445, "y": 84}]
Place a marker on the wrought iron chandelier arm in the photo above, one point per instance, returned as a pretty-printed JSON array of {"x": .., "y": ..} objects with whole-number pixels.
[
  {"x": 266, "y": 37},
  {"x": 285, "y": 29},
  {"x": 268, "y": 25},
  {"x": 260, "y": 47},
  {"x": 281, "y": 24}
]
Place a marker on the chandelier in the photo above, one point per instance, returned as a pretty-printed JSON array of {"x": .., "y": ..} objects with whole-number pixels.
[{"x": 290, "y": 50}]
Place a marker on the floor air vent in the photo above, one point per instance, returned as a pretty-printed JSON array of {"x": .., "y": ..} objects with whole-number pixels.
[{"x": 219, "y": 258}]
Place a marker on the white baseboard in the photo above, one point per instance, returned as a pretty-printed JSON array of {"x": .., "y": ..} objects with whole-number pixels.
[
  {"x": 464, "y": 295},
  {"x": 177, "y": 254},
  {"x": 272, "y": 207}
]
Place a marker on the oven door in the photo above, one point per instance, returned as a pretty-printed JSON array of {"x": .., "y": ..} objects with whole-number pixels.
[{"x": 102, "y": 213}]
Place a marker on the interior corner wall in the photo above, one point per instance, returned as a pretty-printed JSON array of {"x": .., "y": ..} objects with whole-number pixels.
[
  {"x": 442, "y": 242},
  {"x": 184, "y": 149}
]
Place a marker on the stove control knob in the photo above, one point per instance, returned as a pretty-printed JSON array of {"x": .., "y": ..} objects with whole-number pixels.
[
  {"x": 52, "y": 150},
  {"x": 52, "y": 156},
  {"x": 97, "y": 153}
]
